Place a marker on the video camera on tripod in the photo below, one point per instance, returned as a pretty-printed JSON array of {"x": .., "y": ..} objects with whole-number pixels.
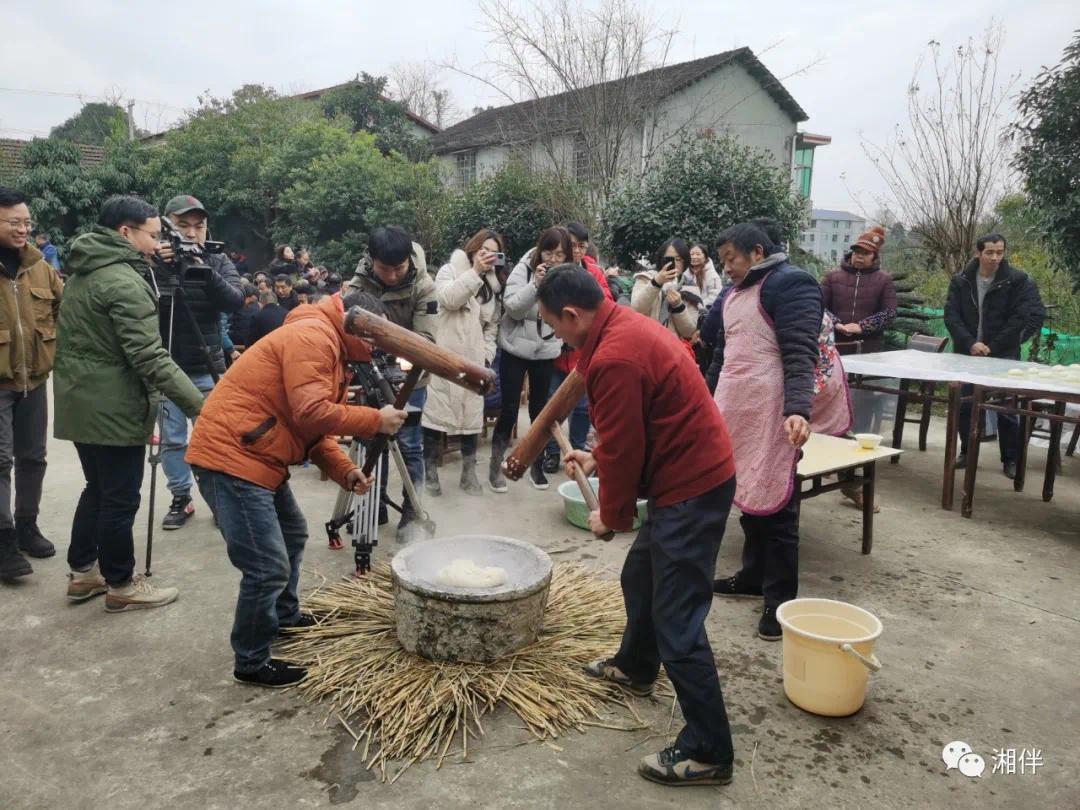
[
  {"x": 187, "y": 255},
  {"x": 377, "y": 383}
]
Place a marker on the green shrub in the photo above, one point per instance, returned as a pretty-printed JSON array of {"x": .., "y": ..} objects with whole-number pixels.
[{"x": 696, "y": 190}]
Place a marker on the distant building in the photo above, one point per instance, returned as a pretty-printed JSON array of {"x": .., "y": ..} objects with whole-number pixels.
[
  {"x": 729, "y": 93},
  {"x": 829, "y": 233},
  {"x": 12, "y": 163}
]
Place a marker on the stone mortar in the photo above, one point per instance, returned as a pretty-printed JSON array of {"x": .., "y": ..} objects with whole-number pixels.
[{"x": 449, "y": 623}]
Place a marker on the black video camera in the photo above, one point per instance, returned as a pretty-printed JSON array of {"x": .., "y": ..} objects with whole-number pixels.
[
  {"x": 379, "y": 379},
  {"x": 188, "y": 256}
]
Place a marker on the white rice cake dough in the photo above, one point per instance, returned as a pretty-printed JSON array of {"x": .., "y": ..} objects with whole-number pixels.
[{"x": 467, "y": 574}]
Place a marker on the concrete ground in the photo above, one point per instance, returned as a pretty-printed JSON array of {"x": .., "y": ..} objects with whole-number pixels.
[{"x": 980, "y": 645}]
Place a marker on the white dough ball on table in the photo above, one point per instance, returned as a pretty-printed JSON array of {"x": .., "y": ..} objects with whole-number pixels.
[
  {"x": 1017, "y": 372},
  {"x": 467, "y": 574}
]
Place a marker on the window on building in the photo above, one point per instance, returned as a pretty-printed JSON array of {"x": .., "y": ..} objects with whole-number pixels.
[
  {"x": 582, "y": 164},
  {"x": 464, "y": 168},
  {"x": 847, "y": 224},
  {"x": 847, "y": 238},
  {"x": 813, "y": 223},
  {"x": 834, "y": 237},
  {"x": 811, "y": 237},
  {"x": 804, "y": 170},
  {"x": 836, "y": 224},
  {"x": 834, "y": 255}
]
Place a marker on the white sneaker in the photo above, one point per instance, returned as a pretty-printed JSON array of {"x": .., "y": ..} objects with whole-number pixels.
[
  {"x": 138, "y": 594},
  {"x": 83, "y": 585}
]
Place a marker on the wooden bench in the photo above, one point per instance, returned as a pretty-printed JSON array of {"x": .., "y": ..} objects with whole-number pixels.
[{"x": 825, "y": 455}]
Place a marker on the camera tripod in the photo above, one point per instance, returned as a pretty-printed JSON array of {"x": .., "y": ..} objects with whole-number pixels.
[{"x": 358, "y": 515}]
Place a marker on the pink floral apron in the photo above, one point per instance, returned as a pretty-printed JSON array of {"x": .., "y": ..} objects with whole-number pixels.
[{"x": 750, "y": 395}]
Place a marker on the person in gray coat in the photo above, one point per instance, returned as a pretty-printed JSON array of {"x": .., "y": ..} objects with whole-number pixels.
[{"x": 528, "y": 347}]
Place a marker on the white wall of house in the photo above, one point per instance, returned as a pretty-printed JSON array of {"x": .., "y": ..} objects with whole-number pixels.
[{"x": 727, "y": 100}]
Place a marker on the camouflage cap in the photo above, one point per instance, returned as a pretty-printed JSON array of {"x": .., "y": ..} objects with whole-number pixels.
[{"x": 183, "y": 204}]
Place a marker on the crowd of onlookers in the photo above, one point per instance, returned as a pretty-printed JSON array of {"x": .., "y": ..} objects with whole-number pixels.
[{"x": 480, "y": 303}]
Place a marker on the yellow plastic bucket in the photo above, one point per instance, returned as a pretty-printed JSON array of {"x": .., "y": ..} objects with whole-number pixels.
[{"x": 828, "y": 654}]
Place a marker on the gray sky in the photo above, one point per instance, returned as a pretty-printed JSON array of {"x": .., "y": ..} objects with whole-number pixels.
[{"x": 861, "y": 56}]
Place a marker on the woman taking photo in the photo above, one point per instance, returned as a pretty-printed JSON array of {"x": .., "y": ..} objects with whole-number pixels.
[
  {"x": 703, "y": 275},
  {"x": 284, "y": 261},
  {"x": 529, "y": 347},
  {"x": 467, "y": 288},
  {"x": 656, "y": 292}
]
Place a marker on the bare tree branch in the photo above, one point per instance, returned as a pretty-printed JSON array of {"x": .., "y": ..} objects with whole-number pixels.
[{"x": 951, "y": 162}]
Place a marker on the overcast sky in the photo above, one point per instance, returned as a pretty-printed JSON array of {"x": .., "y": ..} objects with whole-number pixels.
[{"x": 860, "y": 56}]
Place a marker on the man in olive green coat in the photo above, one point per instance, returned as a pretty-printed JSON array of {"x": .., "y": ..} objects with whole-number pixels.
[{"x": 110, "y": 368}]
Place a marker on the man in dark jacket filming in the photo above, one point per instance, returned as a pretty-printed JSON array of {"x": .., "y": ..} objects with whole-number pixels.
[
  {"x": 207, "y": 293},
  {"x": 990, "y": 310}
]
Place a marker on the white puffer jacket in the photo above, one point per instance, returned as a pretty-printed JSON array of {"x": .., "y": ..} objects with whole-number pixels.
[{"x": 467, "y": 326}]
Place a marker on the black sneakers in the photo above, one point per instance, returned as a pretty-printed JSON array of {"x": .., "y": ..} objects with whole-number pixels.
[
  {"x": 276, "y": 674},
  {"x": 305, "y": 620},
  {"x": 31, "y": 540},
  {"x": 179, "y": 512},
  {"x": 769, "y": 628},
  {"x": 733, "y": 586},
  {"x": 1009, "y": 467},
  {"x": 536, "y": 475},
  {"x": 673, "y": 767},
  {"x": 551, "y": 463}
]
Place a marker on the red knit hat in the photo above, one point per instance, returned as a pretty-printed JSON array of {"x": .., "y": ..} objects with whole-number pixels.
[{"x": 873, "y": 240}]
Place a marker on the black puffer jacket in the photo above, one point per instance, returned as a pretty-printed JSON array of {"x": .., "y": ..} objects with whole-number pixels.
[
  {"x": 208, "y": 292},
  {"x": 240, "y": 329},
  {"x": 790, "y": 297},
  {"x": 1013, "y": 310}
]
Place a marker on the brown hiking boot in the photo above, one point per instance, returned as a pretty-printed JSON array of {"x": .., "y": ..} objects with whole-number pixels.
[
  {"x": 138, "y": 594},
  {"x": 83, "y": 585}
]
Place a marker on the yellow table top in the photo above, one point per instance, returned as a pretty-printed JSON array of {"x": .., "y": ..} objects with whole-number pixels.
[{"x": 828, "y": 454}]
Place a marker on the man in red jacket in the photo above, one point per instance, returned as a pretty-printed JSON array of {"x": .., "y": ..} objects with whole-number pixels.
[{"x": 661, "y": 437}]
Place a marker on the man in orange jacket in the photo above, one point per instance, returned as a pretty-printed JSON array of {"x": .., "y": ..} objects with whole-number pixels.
[{"x": 282, "y": 402}]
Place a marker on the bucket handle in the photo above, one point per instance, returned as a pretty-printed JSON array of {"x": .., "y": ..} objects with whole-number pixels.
[{"x": 870, "y": 663}]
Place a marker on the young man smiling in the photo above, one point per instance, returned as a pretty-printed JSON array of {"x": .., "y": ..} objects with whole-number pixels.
[{"x": 29, "y": 302}]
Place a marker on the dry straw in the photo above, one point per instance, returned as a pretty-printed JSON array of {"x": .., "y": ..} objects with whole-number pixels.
[{"x": 401, "y": 707}]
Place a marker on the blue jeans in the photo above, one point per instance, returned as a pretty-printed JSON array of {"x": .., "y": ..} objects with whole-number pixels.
[
  {"x": 411, "y": 442},
  {"x": 174, "y": 440},
  {"x": 579, "y": 418},
  {"x": 264, "y": 533}
]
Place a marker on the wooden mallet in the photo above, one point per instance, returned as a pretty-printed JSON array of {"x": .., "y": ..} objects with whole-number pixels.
[
  {"x": 546, "y": 425},
  {"x": 418, "y": 350}
]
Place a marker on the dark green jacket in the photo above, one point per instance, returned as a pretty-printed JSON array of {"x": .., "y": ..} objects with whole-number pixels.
[{"x": 110, "y": 363}]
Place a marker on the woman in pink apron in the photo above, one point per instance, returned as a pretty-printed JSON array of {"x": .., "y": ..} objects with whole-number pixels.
[{"x": 776, "y": 384}]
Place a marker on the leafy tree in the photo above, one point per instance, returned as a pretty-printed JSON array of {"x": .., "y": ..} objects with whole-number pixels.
[
  {"x": 65, "y": 195},
  {"x": 518, "y": 203},
  {"x": 364, "y": 103},
  {"x": 238, "y": 155},
  {"x": 697, "y": 189},
  {"x": 341, "y": 196},
  {"x": 1048, "y": 156},
  {"x": 93, "y": 124}
]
